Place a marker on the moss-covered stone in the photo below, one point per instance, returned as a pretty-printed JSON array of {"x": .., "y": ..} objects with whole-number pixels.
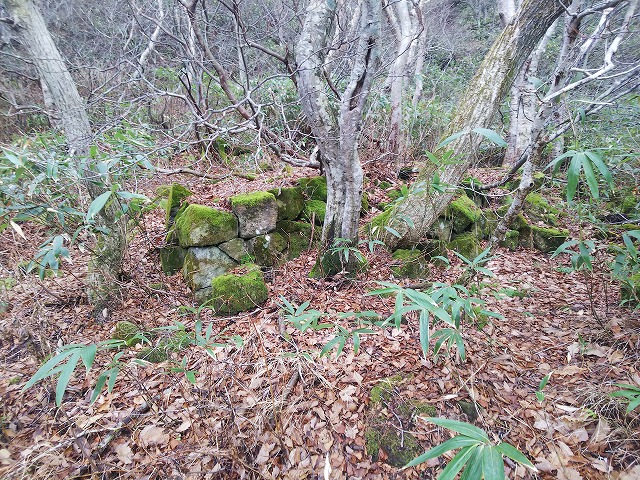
[
  {"x": 154, "y": 354},
  {"x": 547, "y": 239},
  {"x": 175, "y": 194},
  {"x": 511, "y": 240},
  {"x": 463, "y": 212},
  {"x": 127, "y": 331},
  {"x": 433, "y": 248},
  {"x": 200, "y": 226},
  {"x": 267, "y": 249},
  {"x": 518, "y": 223},
  {"x": 297, "y": 235},
  {"x": 465, "y": 244},
  {"x": 202, "y": 264},
  {"x": 364, "y": 204},
  {"x": 290, "y": 202},
  {"x": 410, "y": 264},
  {"x": 257, "y": 213},
  {"x": 383, "y": 390},
  {"x": 172, "y": 259},
  {"x": 471, "y": 186},
  {"x": 486, "y": 224},
  {"x": 538, "y": 208},
  {"x": 237, "y": 292},
  {"x": 334, "y": 261},
  {"x": 314, "y": 188},
  {"x": 236, "y": 248},
  {"x": 315, "y": 210}
]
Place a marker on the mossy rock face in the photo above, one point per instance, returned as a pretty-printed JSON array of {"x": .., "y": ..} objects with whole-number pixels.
[
  {"x": 297, "y": 236},
  {"x": 486, "y": 224},
  {"x": 332, "y": 262},
  {"x": 518, "y": 223},
  {"x": 267, "y": 249},
  {"x": 364, "y": 204},
  {"x": 200, "y": 226},
  {"x": 538, "y": 208},
  {"x": 172, "y": 259},
  {"x": 236, "y": 248},
  {"x": 463, "y": 212},
  {"x": 257, "y": 213},
  {"x": 202, "y": 264},
  {"x": 314, "y": 188},
  {"x": 442, "y": 229},
  {"x": 538, "y": 180},
  {"x": 547, "y": 239},
  {"x": 290, "y": 202},
  {"x": 433, "y": 248},
  {"x": 466, "y": 244},
  {"x": 127, "y": 331},
  {"x": 376, "y": 226},
  {"x": 511, "y": 240},
  {"x": 411, "y": 264},
  {"x": 471, "y": 187},
  {"x": 175, "y": 194},
  {"x": 315, "y": 210},
  {"x": 238, "y": 292}
]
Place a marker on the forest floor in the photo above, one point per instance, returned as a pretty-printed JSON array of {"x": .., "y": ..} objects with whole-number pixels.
[{"x": 272, "y": 408}]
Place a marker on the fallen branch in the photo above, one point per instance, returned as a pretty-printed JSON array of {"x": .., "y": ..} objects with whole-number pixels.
[{"x": 189, "y": 171}]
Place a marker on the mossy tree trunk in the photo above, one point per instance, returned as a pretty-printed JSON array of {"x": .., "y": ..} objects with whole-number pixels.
[
  {"x": 337, "y": 135},
  {"x": 477, "y": 108},
  {"x": 71, "y": 115}
]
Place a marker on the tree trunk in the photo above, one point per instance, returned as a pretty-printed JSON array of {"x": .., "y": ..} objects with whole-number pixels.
[
  {"x": 71, "y": 114},
  {"x": 337, "y": 138},
  {"x": 477, "y": 108}
]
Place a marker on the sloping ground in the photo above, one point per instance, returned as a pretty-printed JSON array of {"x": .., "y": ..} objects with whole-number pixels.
[{"x": 272, "y": 408}]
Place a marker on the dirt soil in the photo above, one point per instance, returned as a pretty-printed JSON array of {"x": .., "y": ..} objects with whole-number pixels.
[{"x": 272, "y": 408}]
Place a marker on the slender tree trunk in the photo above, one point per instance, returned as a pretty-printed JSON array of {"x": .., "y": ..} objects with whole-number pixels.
[
  {"x": 477, "y": 108},
  {"x": 106, "y": 261},
  {"x": 337, "y": 137}
]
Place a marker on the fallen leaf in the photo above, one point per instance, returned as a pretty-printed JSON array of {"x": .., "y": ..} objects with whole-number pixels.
[
  {"x": 152, "y": 435},
  {"x": 124, "y": 453},
  {"x": 265, "y": 453}
]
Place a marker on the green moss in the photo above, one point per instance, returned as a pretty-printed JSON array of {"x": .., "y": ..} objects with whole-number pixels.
[
  {"x": 466, "y": 244},
  {"x": 394, "y": 194},
  {"x": 267, "y": 249},
  {"x": 364, "y": 204},
  {"x": 399, "y": 450},
  {"x": 383, "y": 390},
  {"x": 538, "y": 208},
  {"x": 486, "y": 224},
  {"x": 252, "y": 199},
  {"x": 236, "y": 248},
  {"x": 384, "y": 185},
  {"x": 290, "y": 202},
  {"x": 297, "y": 236},
  {"x": 127, "y": 331},
  {"x": 7, "y": 283},
  {"x": 315, "y": 210},
  {"x": 372, "y": 443},
  {"x": 547, "y": 239},
  {"x": 376, "y": 226},
  {"x": 511, "y": 240},
  {"x": 629, "y": 204},
  {"x": 410, "y": 264},
  {"x": 200, "y": 226},
  {"x": 233, "y": 293},
  {"x": 154, "y": 354},
  {"x": 176, "y": 193},
  {"x": 518, "y": 223},
  {"x": 172, "y": 259},
  {"x": 314, "y": 188},
  {"x": 463, "y": 212},
  {"x": 471, "y": 187}
]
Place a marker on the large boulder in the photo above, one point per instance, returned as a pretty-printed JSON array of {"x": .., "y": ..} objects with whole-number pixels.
[
  {"x": 290, "y": 202},
  {"x": 542, "y": 238},
  {"x": 257, "y": 213},
  {"x": 466, "y": 244},
  {"x": 200, "y": 226},
  {"x": 203, "y": 264},
  {"x": 239, "y": 291}
]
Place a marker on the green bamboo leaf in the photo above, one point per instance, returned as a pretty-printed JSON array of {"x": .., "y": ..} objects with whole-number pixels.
[
  {"x": 65, "y": 376},
  {"x": 112, "y": 379},
  {"x": 88, "y": 355},
  {"x": 99, "y": 385},
  {"x": 97, "y": 205},
  {"x": 590, "y": 177},
  {"x": 514, "y": 454},
  {"x": 424, "y": 333},
  {"x": 461, "y": 427},
  {"x": 456, "y": 463},
  {"x": 473, "y": 470},
  {"x": 47, "y": 369},
  {"x": 601, "y": 166},
  {"x": 492, "y": 464},
  {"x": 451, "y": 138},
  {"x": 458, "y": 441},
  {"x": 555, "y": 164},
  {"x": 573, "y": 175},
  {"x": 392, "y": 231},
  {"x": 491, "y": 135}
]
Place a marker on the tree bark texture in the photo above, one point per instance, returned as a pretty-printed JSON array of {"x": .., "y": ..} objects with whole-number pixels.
[
  {"x": 477, "y": 107},
  {"x": 337, "y": 135},
  {"x": 71, "y": 115}
]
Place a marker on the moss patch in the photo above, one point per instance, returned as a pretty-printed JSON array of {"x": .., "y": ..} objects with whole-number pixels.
[
  {"x": 466, "y": 245},
  {"x": 237, "y": 292},
  {"x": 399, "y": 450},
  {"x": 127, "y": 331},
  {"x": 267, "y": 249},
  {"x": 297, "y": 236},
  {"x": 547, "y": 239},
  {"x": 315, "y": 210},
  {"x": 538, "y": 208},
  {"x": 290, "y": 202},
  {"x": 463, "y": 212},
  {"x": 376, "y": 226},
  {"x": 200, "y": 226},
  {"x": 314, "y": 188},
  {"x": 252, "y": 199},
  {"x": 175, "y": 194},
  {"x": 384, "y": 388},
  {"x": 410, "y": 264},
  {"x": 511, "y": 240}
]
